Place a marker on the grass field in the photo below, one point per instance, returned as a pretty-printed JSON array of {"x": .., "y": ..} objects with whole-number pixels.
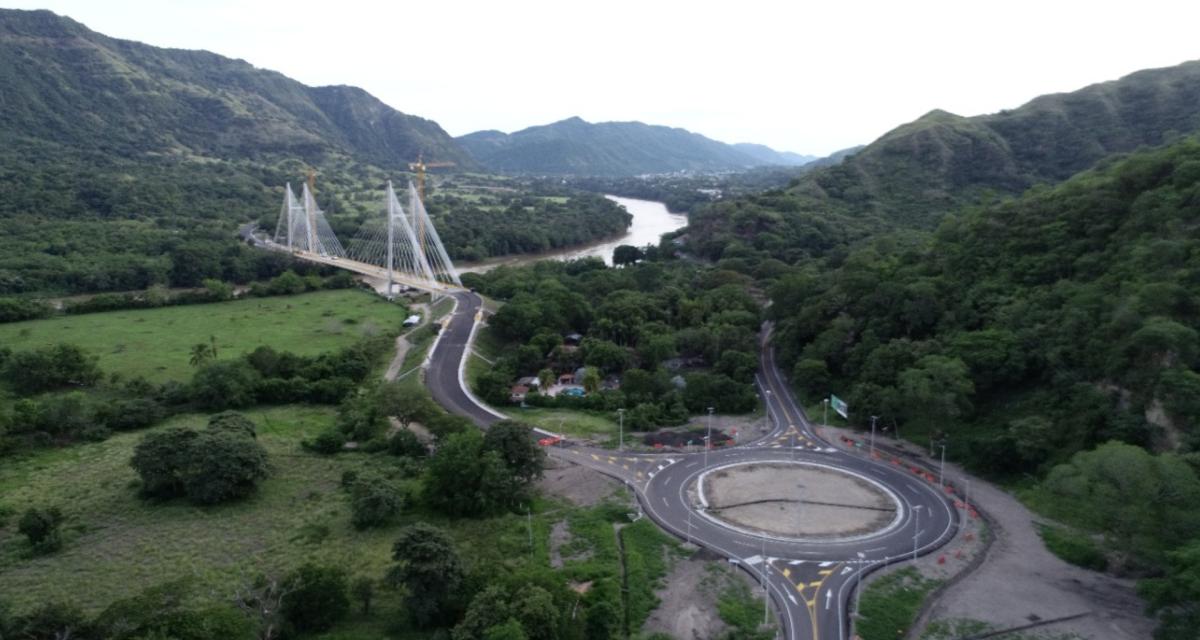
[{"x": 156, "y": 343}]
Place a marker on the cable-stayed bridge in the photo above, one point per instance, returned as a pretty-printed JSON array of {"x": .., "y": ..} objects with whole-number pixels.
[{"x": 401, "y": 246}]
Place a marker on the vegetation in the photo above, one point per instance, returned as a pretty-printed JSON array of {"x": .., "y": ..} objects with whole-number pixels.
[
  {"x": 643, "y": 324},
  {"x": 889, "y": 604},
  {"x": 220, "y": 463}
]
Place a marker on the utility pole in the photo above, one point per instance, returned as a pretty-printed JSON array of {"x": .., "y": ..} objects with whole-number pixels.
[
  {"x": 873, "y": 419},
  {"x": 621, "y": 426}
]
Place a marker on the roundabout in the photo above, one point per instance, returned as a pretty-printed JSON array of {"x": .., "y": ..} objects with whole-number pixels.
[
  {"x": 796, "y": 501},
  {"x": 807, "y": 520}
]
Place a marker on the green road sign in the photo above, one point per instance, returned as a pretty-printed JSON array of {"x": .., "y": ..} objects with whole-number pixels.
[{"x": 839, "y": 406}]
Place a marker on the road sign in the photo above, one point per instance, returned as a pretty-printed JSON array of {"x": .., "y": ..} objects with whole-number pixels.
[{"x": 839, "y": 406}]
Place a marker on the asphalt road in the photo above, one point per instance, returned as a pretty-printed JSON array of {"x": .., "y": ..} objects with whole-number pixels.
[{"x": 810, "y": 582}]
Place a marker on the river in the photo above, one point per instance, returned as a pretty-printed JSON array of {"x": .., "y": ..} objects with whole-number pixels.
[{"x": 650, "y": 220}]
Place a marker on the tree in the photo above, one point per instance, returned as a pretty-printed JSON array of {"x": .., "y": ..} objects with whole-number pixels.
[
  {"x": 509, "y": 630},
  {"x": 466, "y": 479},
  {"x": 545, "y": 379},
  {"x": 514, "y": 441},
  {"x": 605, "y": 355},
  {"x": 938, "y": 387},
  {"x": 489, "y": 608},
  {"x": 201, "y": 354},
  {"x": 625, "y": 254},
  {"x": 50, "y": 368},
  {"x": 159, "y": 459},
  {"x": 225, "y": 385},
  {"x": 262, "y": 601},
  {"x": 363, "y": 589},
  {"x": 428, "y": 568},
  {"x": 600, "y": 621},
  {"x": 1175, "y": 597},
  {"x": 591, "y": 379},
  {"x": 222, "y": 466},
  {"x": 220, "y": 463},
  {"x": 41, "y": 527},
  {"x": 406, "y": 444},
  {"x": 374, "y": 502},
  {"x": 54, "y": 621},
  {"x": 404, "y": 403},
  {"x": 232, "y": 422},
  {"x": 317, "y": 598}
]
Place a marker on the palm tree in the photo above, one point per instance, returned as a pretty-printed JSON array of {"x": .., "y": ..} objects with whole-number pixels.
[
  {"x": 591, "y": 379},
  {"x": 202, "y": 353},
  {"x": 546, "y": 379}
]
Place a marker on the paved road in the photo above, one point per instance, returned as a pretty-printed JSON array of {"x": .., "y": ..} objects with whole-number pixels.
[{"x": 810, "y": 582}]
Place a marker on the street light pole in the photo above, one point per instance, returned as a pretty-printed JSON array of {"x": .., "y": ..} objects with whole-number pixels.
[
  {"x": 766, "y": 570},
  {"x": 621, "y": 433},
  {"x": 825, "y": 420},
  {"x": 942, "y": 473},
  {"x": 873, "y": 419},
  {"x": 916, "y": 528},
  {"x": 708, "y": 438}
]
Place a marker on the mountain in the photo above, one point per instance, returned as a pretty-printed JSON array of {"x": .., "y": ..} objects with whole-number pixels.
[
  {"x": 576, "y": 147},
  {"x": 915, "y": 175},
  {"x": 918, "y": 172},
  {"x": 63, "y": 84},
  {"x": 768, "y": 156}
]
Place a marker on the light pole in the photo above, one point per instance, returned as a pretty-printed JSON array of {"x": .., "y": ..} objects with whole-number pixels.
[
  {"x": 942, "y": 472},
  {"x": 916, "y": 528},
  {"x": 825, "y": 420},
  {"x": 708, "y": 438},
  {"x": 873, "y": 419},
  {"x": 766, "y": 571},
  {"x": 621, "y": 426}
]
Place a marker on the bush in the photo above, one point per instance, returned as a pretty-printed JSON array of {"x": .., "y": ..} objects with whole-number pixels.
[
  {"x": 374, "y": 502},
  {"x": 316, "y": 598},
  {"x": 328, "y": 442},
  {"x": 221, "y": 463},
  {"x": 41, "y": 527},
  {"x": 224, "y": 385},
  {"x": 50, "y": 368},
  {"x": 406, "y": 444},
  {"x": 1074, "y": 547}
]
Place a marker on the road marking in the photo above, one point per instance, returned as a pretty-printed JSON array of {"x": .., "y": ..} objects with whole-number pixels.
[
  {"x": 787, "y": 573},
  {"x": 625, "y": 467},
  {"x": 796, "y": 562},
  {"x": 793, "y": 599},
  {"x": 595, "y": 457},
  {"x": 828, "y": 598},
  {"x": 824, "y": 572},
  {"x": 825, "y": 564},
  {"x": 846, "y": 570}
]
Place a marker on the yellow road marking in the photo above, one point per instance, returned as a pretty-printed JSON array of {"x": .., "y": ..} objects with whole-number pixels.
[
  {"x": 787, "y": 573},
  {"x": 595, "y": 457}
]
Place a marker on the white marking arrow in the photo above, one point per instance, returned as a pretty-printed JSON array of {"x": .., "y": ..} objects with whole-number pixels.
[{"x": 828, "y": 598}]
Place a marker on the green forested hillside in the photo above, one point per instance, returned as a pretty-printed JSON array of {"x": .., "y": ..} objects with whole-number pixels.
[
  {"x": 922, "y": 171},
  {"x": 576, "y": 147},
  {"x": 1026, "y": 330}
]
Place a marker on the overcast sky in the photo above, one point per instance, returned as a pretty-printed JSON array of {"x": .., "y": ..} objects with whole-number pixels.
[{"x": 810, "y": 77}]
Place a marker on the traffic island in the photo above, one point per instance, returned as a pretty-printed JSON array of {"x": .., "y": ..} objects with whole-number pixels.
[{"x": 797, "y": 500}]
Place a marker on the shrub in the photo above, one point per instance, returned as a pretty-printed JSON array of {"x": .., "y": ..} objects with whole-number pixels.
[
  {"x": 220, "y": 463},
  {"x": 327, "y": 442},
  {"x": 41, "y": 527},
  {"x": 316, "y": 598},
  {"x": 374, "y": 502},
  {"x": 406, "y": 444}
]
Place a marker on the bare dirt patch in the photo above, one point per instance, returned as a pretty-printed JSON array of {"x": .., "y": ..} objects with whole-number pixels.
[
  {"x": 579, "y": 485},
  {"x": 1019, "y": 580},
  {"x": 726, "y": 431},
  {"x": 688, "y": 603},
  {"x": 797, "y": 500}
]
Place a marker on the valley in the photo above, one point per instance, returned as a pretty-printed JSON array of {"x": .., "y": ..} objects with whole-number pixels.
[{"x": 594, "y": 379}]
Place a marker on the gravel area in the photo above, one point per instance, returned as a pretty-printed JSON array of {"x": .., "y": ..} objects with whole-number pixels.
[
  {"x": 580, "y": 485},
  {"x": 797, "y": 500},
  {"x": 1019, "y": 580}
]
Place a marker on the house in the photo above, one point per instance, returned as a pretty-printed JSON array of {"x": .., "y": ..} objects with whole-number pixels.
[
  {"x": 573, "y": 339},
  {"x": 518, "y": 393},
  {"x": 529, "y": 381},
  {"x": 566, "y": 378}
]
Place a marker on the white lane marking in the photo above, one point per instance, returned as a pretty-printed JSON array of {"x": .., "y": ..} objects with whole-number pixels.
[
  {"x": 665, "y": 503},
  {"x": 793, "y": 599},
  {"x": 845, "y": 571},
  {"x": 796, "y": 562},
  {"x": 828, "y": 598},
  {"x": 913, "y": 490},
  {"x": 753, "y": 560},
  {"x": 825, "y": 564}
]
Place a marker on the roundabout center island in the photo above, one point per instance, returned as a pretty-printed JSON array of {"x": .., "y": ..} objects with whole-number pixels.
[{"x": 797, "y": 500}]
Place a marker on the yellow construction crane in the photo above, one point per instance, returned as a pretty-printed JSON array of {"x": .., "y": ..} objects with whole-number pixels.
[{"x": 420, "y": 166}]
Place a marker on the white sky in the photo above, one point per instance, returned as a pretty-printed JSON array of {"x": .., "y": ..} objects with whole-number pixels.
[{"x": 804, "y": 76}]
